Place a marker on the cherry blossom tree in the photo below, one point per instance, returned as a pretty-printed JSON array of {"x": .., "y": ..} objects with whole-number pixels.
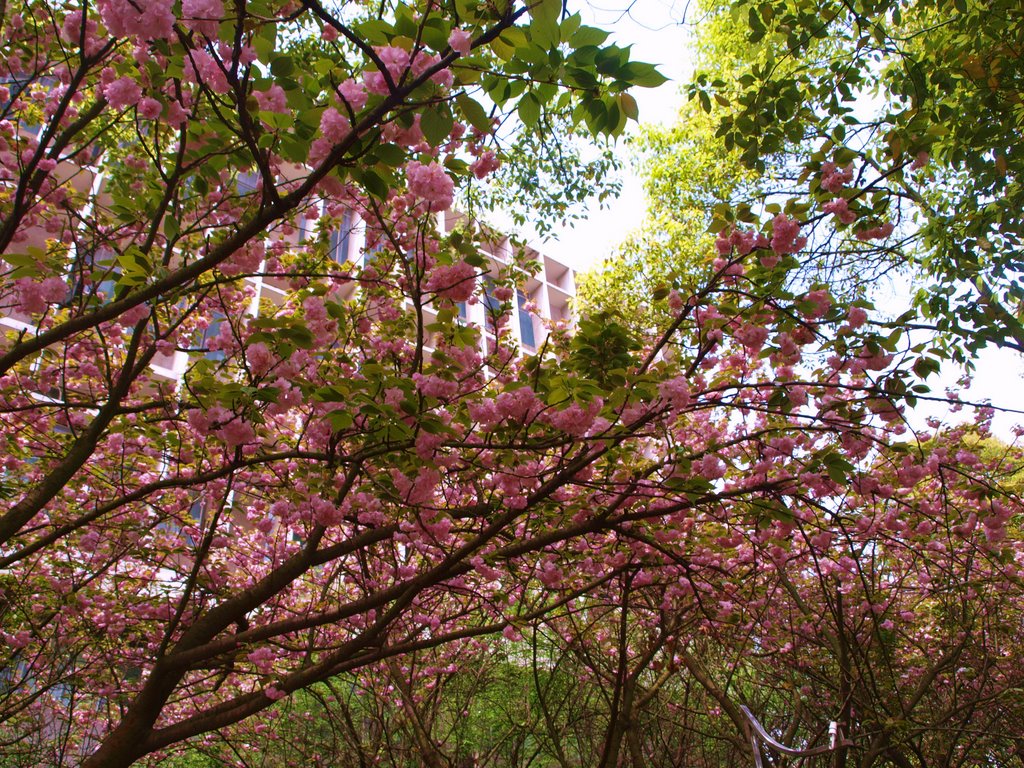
[{"x": 246, "y": 461}]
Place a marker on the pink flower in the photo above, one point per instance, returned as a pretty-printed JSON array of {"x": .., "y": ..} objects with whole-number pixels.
[
  {"x": 460, "y": 40},
  {"x": 334, "y": 125},
  {"x": 751, "y": 336},
  {"x": 130, "y": 317},
  {"x": 723, "y": 244},
  {"x": 550, "y": 576},
  {"x": 834, "y": 179},
  {"x": 856, "y": 317},
  {"x": 318, "y": 151},
  {"x": 575, "y": 420},
  {"x": 676, "y": 391},
  {"x": 273, "y": 99},
  {"x": 405, "y": 137},
  {"x": 434, "y": 386},
  {"x": 259, "y": 358},
  {"x": 876, "y": 233},
  {"x": 418, "y": 489},
  {"x": 18, "y": 640},
  {"x": 519, "y": 404},
  {"x": 146, "y": 19},
  {"x": 33, "y": 297},
  {"x": 176, "y": 114},
  {"x": 149, "y": 108},
  {"x": 485, "y": 164},
  {"x": 326, "y": 512},
  {"x": 237, "y": 432},
  {"x": 784, "y": 235},
  {"x": 841, "y": 210},
  {"x": 202, "y": 16},
  {"x": 353, "y": 93},
  {"x": 642, "y": 579},
  {"x": 820, "y": 302},
  {"x": 263, "y": 659},
  {"x": 743, "y": 242},
  {"x": 395, "y": 61},
  {"x": 456, "y": 282},
  {"x": 201, "y": 67},
  {"x": 424, "y": 61},
  {"x": 431, "y": 183},
  {"x": 274, "y": 693},
  {"x": 123, "y": 92},
  {"x": 710, "y": 467},
  {"x": 71, "y": 31}
]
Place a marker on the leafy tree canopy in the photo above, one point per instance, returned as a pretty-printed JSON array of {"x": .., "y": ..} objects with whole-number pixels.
[{"x": 258, "y": 471}]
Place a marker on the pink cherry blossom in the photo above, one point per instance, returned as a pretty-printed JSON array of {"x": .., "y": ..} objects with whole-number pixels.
[
  {"x": 273, "y": 99},
  {"x": 880, "y": 232},
  {"x": 334, "y": 126},
  {"x": 202, "y": 16},
  {"x": 431, "y": 183},
  {"x": 122, "y": 93},
  {"x": 149, "y": 108},
  {"x": 785, "y": 231},
  {"x": 840, "y": 208},
  {"x": 353, "y": 93},
  {"x": 833, "y": 179},
  {"x": 460, "y": 41},
  {"x": 146, "y": 19},
  {"x": 455, "y": 281},
  {"x": 856, "y": 317},
  {"x": 485, "y": 164}
]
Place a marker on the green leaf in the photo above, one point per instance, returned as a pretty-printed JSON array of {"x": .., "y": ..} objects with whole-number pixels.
[
  {"x": 340, "y": 420},
  {"x": 629, "y": 106},
  {"x": 436, "y": 32},
  {"x": 926, "y": 366},
  {"x": 282, "y": 66},
  {"x": 585, "y": 36},
  {"x": 135, "y": 267},
  {"x": 641, "y": 74},
  {"x": 529, "y": 110},
  {"x": 473, "y": 112},
  {"x": 544, "y": 30},
  {"x": 546, "y": 10},
  {"x": 26, "y": 264},
  {"x": 171, "y": 228},
  {"x": 375, "y": 31},
  {"x": 436, "y": 124},
  {"x": 837, "y": 468},
  {"x": 390, "y": 154},
  {"x": 265, "y": 42},
  {"x": 371, "y": 181},
  {"x": 299, "y": 335}
]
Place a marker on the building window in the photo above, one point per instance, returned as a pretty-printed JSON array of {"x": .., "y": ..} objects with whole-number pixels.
[
  {"x": 339, "y": 240},
  {"x": 94, "y": 275},
  {"x": 247, "y": 183},
  {"x": 525, "y": 322},
  {"x": 210, "y": 332}
]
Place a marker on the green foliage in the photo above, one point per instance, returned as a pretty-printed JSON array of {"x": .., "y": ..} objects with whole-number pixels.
[
  {"x": 688, "y": 174},
  {"x": 548, "y": 175},
  {"x": 885, "y": 84}
]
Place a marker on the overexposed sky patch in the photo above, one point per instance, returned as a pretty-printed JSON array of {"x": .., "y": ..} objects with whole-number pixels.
[{"x": 658, "y": 33}]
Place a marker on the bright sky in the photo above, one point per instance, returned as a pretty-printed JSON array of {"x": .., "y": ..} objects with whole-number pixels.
[
  {"x": 655, "y": 30},
  {"x": 658, "y": 33}
]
